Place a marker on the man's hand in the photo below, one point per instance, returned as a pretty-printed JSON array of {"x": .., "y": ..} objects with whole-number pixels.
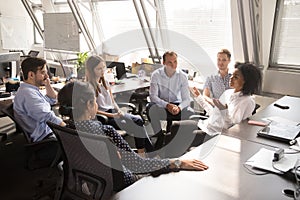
[
  {"x": 47, "y": 82},
  {"x": 173, "y": 109},
  {"x": 50, "y": 92}
]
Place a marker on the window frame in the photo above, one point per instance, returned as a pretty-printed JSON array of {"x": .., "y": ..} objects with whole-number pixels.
[{"x": 275, "y": 34}]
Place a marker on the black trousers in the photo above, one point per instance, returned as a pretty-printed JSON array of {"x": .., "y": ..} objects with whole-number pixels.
[
  {"x": 156, "y": 113},
  {"x": 134, "y": 126}
]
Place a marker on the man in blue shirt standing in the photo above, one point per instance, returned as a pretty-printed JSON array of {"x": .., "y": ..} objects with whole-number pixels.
[
  {"x": 32, "y": 109},
  {"x": 169, "y": 94}
]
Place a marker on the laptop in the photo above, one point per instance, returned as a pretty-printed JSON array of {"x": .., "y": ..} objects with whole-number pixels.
[{"x": 280, "y": 131}]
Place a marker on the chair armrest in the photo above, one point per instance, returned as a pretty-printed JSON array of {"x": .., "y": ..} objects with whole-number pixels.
[
  {"x": 41, "y": 143},
  {"x": 130, "y": 105},
  {"x": 197, "y": 117},
  {"x": 199, "y": 132},
  {"x": 184, "y": 123},
  {"x": 102, "y": 118}
]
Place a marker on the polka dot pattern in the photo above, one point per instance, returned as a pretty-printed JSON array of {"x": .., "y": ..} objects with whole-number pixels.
[{"x": 131, "y": 161}]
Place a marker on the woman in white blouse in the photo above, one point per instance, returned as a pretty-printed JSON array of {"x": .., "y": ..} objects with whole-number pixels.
[
  {"x": 133, "y": 124},
  {"x": 235, "y": 104}
]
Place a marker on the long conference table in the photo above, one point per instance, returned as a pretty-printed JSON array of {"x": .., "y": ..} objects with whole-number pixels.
[{"x": 227, "y": 176}]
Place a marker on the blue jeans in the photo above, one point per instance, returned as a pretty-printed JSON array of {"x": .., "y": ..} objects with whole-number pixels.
[{"x": 133, "y": 125}]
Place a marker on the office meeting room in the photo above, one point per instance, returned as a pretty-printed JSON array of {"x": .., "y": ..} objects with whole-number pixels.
[{"x": 149, "y": 99}]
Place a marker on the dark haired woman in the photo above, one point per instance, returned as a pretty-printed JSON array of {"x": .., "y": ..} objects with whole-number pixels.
[
  {"x": 77, "y": 101},
  {"x": 235, "y": 104},
  {"x": 133, "y": 124}
]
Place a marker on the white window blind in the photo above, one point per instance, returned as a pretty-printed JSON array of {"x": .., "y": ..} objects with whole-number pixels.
[
  {"x": 208, "y": 23},
  {"x": 286, "y": 44}
]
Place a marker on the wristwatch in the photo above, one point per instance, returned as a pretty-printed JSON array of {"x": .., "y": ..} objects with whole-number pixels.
[{"x": 177, "y": 163}]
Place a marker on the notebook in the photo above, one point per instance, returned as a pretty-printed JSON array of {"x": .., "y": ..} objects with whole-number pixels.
[{"x": 280, "y": 131}]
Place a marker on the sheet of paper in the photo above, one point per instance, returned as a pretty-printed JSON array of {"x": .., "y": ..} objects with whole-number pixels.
[
  {"x": 263, "y": 159},
  {"x": 281, "y": 120}
]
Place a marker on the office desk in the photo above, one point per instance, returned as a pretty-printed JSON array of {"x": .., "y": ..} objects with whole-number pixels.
[
  {"x": 249, "y": 132},
  {"x": 293, "y": 113},
  {"x": 226, "y": 178},
  {"x": 130, "y": 84}
]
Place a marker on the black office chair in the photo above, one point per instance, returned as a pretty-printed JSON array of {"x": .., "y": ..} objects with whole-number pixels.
[
  {"x": 38, "y": 153},
  {"x": 92, "y": 168},
  {"x": 257, "y": 106},
  {"x": 129, "y": 107},
  {"x": 139, "y": 97},
  {"x": 42, "y": 154}
]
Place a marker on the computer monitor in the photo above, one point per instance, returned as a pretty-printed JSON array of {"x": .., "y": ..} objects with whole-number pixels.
[
  {"x": 33, "y": 53},
  {"x": 120, "y": 68},
  {"x": 52, "y": 70}
]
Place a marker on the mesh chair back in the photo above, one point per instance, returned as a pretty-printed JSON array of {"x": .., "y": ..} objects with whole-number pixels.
[
  {"x": 92, "y": 168},
  {"x": 40, "y": 154},
  {"x": 9, "y": 111}
]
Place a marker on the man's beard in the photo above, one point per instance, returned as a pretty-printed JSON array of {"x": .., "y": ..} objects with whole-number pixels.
[{"x": 40, "y": 83}]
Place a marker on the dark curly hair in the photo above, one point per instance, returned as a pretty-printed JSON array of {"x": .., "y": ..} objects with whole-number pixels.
[{"x": 252, "y": 77}]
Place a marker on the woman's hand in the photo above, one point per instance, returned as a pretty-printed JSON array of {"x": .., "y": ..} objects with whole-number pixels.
[
  {"x": 219, "y": 105},
  {"x": 118, "y": 114},
  {"x": 121, "y": 113},
  {"x": 193, "y": 165},
  {"x": 195, "y": 91}
]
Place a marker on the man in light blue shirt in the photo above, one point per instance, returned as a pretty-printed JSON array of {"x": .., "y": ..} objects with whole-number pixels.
[
  {"x": 32, "y": 109},
  {"x": 169, "y": 95}
]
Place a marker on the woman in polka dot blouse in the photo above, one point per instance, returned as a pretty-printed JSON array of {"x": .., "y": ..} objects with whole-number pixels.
[{"x": 78, "y": 101}]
